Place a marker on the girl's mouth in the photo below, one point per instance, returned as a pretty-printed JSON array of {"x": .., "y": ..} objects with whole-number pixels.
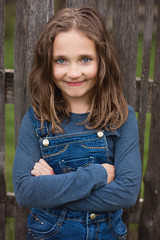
[{"x": 75, "y": 84}]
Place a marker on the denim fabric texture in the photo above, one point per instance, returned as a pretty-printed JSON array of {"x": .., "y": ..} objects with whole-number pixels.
[
  {"x": 66, "y": 153},
  {"x": 62, "y": 223}
]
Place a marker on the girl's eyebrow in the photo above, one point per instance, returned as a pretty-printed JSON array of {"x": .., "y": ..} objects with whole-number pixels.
[
  {"x": 86, "y": 55},
  {"x": 59, "y": 56},
  {"x": 79, "y": 56}
]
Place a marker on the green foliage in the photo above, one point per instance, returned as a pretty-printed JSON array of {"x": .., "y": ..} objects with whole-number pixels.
[
  {"x": 8, "y": 60},
  {"x": 133, "y": 231},
  {"x": 9, "y": 144},
  {"x": 10, "y": 11},
  {"x": 146, "y": 149},
  {"x": 10, "y": 225}
]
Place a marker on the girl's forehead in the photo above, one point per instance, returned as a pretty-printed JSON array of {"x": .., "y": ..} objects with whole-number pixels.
[
  {"x": 72, "y": 41},
  {"x": 79, "y": 35}
]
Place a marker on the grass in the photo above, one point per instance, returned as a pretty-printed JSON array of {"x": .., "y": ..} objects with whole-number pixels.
[
  {"x": 10, "y": 11},
  {"x": 9, "y": 143},
  {"x": 10, "y": 225},
  {"x": 9, "y": 113}
]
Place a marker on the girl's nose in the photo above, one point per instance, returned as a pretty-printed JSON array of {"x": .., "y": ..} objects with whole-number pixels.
[{"x": 74, "y": 71}]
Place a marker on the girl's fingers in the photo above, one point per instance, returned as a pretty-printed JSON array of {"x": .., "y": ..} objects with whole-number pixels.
[
  {"x": 42, "y": 168},
  {"x": 48, "y": 168},
  {"x": 42, "y": 161},
  {"x": 35, "y": 173}
]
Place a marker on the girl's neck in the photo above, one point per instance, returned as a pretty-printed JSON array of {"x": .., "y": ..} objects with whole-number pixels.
[{"x": 79, "y": 107}]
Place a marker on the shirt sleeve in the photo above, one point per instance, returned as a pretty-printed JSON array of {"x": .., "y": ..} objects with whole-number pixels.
[
  {"x": 123, "y": 191},
  {"x": 54, "y": 190}
]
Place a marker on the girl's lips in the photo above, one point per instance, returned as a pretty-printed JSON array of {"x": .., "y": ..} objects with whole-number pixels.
[{"x": 74, "y": 84}]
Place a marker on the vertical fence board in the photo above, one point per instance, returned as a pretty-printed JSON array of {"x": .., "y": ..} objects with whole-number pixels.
[
  {"x": 36, "y": 22},
  {"x": 20, "y": 93},
  {"x": 144, "y": 93},
  {"x": 125, "y": 36},
  {"x": 20, "y": 49},
  {"x": 147, "y": 43},
  {"x": 101, "y": 5},
  {"x": 150, "y": 215},
  {"x": 80, "y": 3},
  {"x": 29, "y": 24},
  {"x": 2, "y": 126}
]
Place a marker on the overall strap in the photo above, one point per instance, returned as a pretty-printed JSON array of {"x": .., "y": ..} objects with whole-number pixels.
[{"x": 40, "y": 131}]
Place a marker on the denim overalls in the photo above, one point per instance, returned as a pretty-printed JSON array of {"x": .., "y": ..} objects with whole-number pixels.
[{"x": 65, "y": 153}]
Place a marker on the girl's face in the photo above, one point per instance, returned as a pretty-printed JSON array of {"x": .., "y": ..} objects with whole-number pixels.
[{"x": 75, "y": 67}]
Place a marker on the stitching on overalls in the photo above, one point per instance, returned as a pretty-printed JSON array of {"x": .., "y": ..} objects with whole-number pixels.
[
  {"x": 84, "y": 146},
  {"x": 37, "y": 219},
  {"x": 55, "y": 154}
]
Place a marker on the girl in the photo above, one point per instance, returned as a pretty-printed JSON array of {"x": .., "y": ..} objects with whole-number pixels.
[{"x": 77, "y": 162}]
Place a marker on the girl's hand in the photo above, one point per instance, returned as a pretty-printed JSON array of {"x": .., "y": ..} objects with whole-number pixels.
[
  {"x": 110, "y": 171},
  {"x": 42, "y": 168}
]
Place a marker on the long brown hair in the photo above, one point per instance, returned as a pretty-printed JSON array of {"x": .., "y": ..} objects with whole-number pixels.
[{"x": 108, "y": 107}]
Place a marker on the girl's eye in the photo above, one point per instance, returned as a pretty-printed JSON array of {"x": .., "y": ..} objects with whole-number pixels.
[
  {"x": 60, "y": 61},
  {"x": 86, "y": 60}
]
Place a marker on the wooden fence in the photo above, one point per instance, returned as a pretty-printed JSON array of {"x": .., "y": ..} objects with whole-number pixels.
[{"x": 143, "y": 94}]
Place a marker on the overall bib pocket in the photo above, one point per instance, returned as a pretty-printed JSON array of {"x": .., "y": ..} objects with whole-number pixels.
[
  {"x": 68, "y": 152},
  {"x": 72, "y": 164}
]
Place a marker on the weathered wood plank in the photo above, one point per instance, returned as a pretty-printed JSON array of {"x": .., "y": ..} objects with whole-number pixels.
[
  {"x": 29, "y": 24},
  {"x": 20, "y": 48},
  {"x": 80, "y": 3},
  {"x": 9, "y": 86},
  {"x": 143, "y": 93},
  {"x": 148, "y": 97},
  {"x": 150, "y": 215},
  {"x": 2, "y": 126},
  {"x": 147, "y": 43},
  {"x": 135, "y": 213},
  {"x": 36, "y": 22},
  {"x": 101, "y": 5},
  {"x": 20, "y": 93},
  {"x": 2, "y": 221},
  {"x": 11, "y": 205},
  {"x": 125, "y": 37},
  {"x": 21, "y": 223}
]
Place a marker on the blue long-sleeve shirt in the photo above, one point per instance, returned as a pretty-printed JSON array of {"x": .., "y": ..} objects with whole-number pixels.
[{"x": 85, "y": 189}]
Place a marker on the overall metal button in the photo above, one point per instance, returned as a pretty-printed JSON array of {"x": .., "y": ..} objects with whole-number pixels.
[
  {"x": 93, "y": 216},
  {"x": 100, "y": 134},
  {"x": 45, "y": 142}
]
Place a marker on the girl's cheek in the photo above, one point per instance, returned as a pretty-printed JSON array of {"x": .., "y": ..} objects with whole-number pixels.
[
  {"x": 58, "y": 73},
  {"x": 93, "y": 71}
]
